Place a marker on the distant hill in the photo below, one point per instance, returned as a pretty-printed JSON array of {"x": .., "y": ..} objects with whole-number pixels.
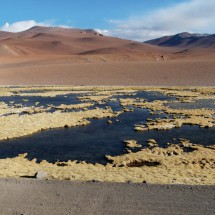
[
  {"x": 185, "y": 40},
  {"x": 82, "y": 43},
  {"x": 57, "y": 41}
]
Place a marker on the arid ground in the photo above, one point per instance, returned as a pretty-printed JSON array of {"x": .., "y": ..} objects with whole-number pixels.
[
  {"x": 144, "y": 73},
  {"x": 83, "y": 57}
]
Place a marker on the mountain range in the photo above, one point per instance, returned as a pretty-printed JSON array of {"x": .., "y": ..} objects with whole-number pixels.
[
  {"x": 54, "y": 41},
  {"x": 185, "y": 40}
]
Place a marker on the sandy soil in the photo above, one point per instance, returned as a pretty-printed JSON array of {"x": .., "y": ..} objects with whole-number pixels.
[
  {"x": 143, "y": 73},
  {"x": 62, "y": 197}
]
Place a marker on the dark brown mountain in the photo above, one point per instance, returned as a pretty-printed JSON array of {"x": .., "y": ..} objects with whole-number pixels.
[{"x": 185, "y": 40}]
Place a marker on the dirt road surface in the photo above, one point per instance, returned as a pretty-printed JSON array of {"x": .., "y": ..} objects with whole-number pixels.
[{"x": 32, "y": 196}]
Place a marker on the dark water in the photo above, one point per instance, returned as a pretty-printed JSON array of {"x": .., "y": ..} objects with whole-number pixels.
[
  {"x": 91, "y": 143},
  {"x": 149, "y": 96},
  {"x": 43, "y": 101},
  {"x": 202, "y": 103},
  {"x": 72, "y": 98}
]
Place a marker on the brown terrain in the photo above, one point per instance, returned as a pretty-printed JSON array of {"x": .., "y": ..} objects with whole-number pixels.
[{"x": 44, "y": 55}]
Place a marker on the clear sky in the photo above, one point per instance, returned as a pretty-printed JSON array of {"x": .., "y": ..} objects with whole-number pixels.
[{"x": 133, "y": 19}]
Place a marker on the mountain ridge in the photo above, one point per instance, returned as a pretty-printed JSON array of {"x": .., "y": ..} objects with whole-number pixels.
[
  {"x": 40, "y": 40},
  {"x": 185, "y": 40}
]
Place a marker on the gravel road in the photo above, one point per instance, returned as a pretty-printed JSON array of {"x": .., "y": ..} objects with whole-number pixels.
[{"x": 32, "y": 196}]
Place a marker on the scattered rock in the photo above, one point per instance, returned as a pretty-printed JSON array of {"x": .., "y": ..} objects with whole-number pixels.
[
  {"x": 25, "y": 100},
  {"x": 109, "y": 122},
  {"x": 95, "y": 181},
  {"x": 41, "y": 175}
]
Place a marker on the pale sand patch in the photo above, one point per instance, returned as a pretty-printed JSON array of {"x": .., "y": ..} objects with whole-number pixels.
[
  {"x": 76, "y": 106},
  {"x": 132, "y": 144},
  {"x": 188, "y": 72},
  {"x": 17, "y": 126}
]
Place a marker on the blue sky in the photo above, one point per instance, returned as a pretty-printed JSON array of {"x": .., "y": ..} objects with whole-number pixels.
[{"x": 132, "y": 19}]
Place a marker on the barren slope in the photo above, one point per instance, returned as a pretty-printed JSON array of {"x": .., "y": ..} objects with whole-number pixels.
[
  {"x": 61, "y": 41},
  {"x": 44, "y": 55}
]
